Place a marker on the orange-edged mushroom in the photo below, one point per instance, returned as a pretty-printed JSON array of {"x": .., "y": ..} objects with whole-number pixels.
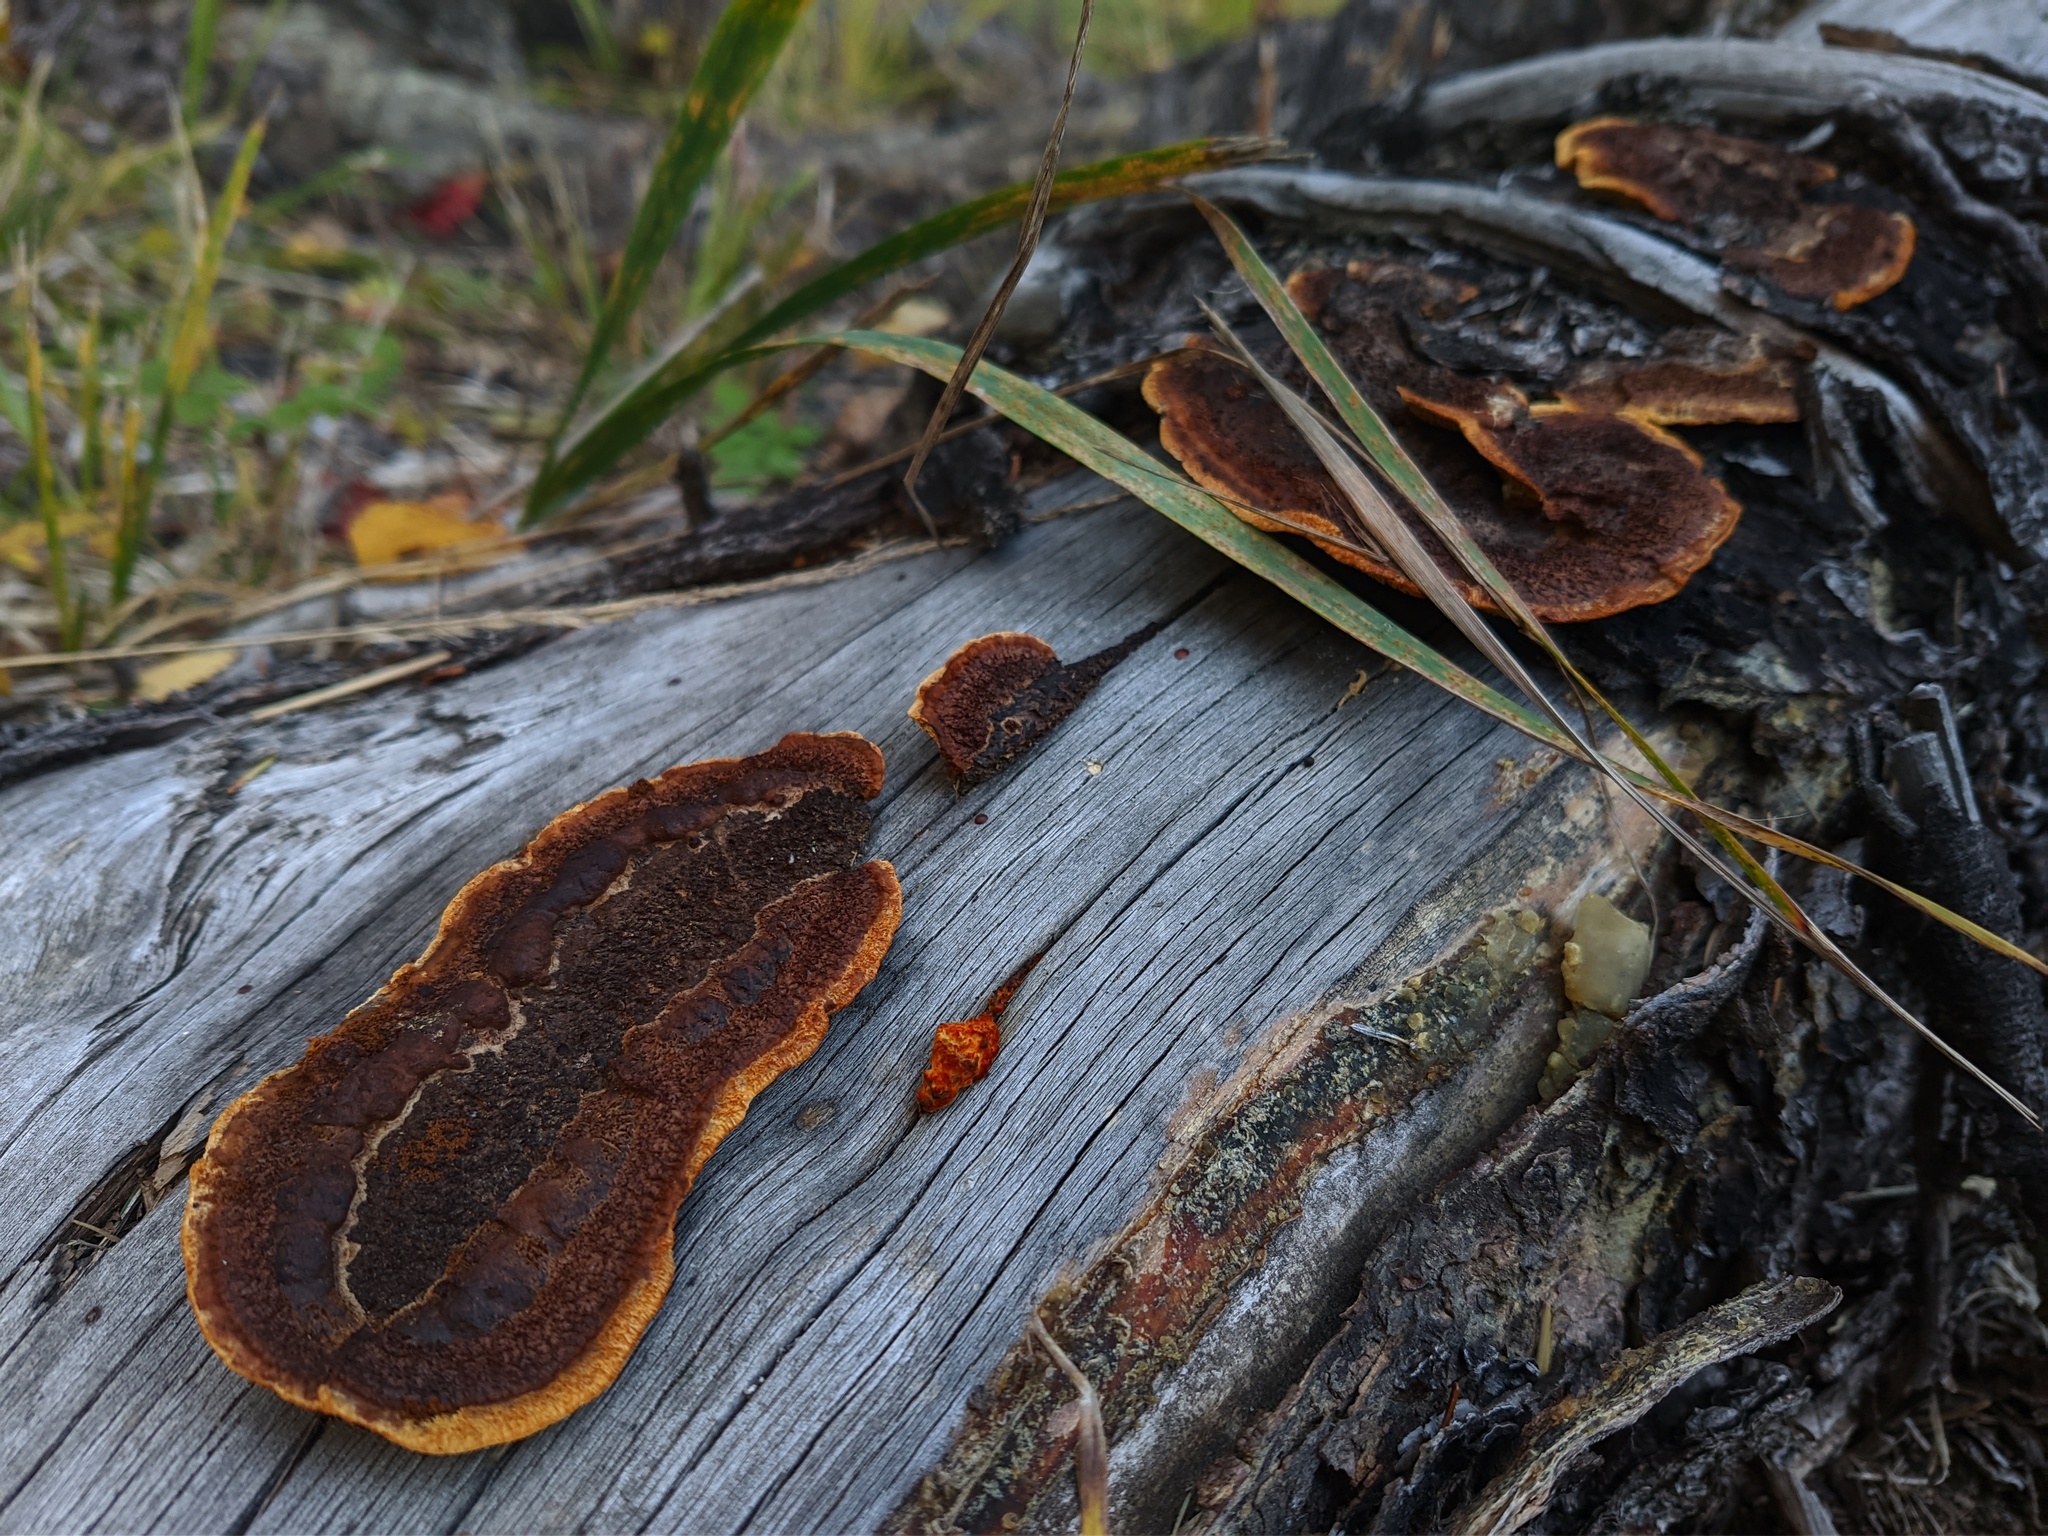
[
  {"x": 1750, "y": 200},
  {"x": 998, "y": 696},
  {"x": 1587, "y": 514},
  {"x": 1700, "y": 379},
  {"x": 452, "y": 1220},
  {"x": 1637, "y": 512},
  {"x": 1843, "y": 253}
]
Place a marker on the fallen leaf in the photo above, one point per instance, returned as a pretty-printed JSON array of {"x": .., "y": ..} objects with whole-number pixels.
[
  {"x": 319, "y": 242},
  {"x": 390, "y": 530},
  {"x": 861, "y": 420},
  {"x": 21, "y": 544},
  {"x": 450, "y": 205},
  {"x": 175, "y": 674},
  {"x": 917, "y": 317}
]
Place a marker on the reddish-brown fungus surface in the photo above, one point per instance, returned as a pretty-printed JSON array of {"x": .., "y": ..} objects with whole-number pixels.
[
  {"x": 1592, "y": 473},
  {"x": 964, "y": 1049},
  {"x": 1703, "y": 379},
  {"x": 1587, "y": 513},
  {"x": 1750, "y": 201},
  {"x": 451, "y": 1221},
  {"x": 1000, "y": 695}
]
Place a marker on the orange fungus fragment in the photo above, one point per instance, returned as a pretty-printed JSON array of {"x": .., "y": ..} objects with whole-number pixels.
[{"x": 964, "y": 1049}]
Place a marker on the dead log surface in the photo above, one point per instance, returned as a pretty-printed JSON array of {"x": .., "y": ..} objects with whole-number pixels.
[{"x": 848, "y": 1274}]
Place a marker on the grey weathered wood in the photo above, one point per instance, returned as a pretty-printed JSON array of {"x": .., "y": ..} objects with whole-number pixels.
[
  {"x": 1246, "y": 846},
  {"x": 2009, "y": 35},
  {"x": 1765, "y": 81}
]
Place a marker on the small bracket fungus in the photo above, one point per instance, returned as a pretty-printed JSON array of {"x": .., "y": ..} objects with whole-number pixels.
[
  {"x": 1748, "y": 200},
  {"x": 451, "y": 1221},
  {"x": 1703, "y": 379},
  {"x": 1587, "y": 512},
  {"x": 997, "y": 697}
]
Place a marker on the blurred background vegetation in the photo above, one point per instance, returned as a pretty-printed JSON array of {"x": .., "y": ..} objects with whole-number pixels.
[{"x": 294, "y": 289}]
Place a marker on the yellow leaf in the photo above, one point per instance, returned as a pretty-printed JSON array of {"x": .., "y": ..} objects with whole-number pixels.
[
  {"x": 319, "y": 242},
  {"x": 391, "y": 530},
  {"x": 21, "y": 543},
  {"x": 177, "y": 673},
  {"x": 917, "y": 317}
]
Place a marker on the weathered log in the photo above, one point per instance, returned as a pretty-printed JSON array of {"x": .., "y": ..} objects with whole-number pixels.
[{"x": 1258, "y": 852}]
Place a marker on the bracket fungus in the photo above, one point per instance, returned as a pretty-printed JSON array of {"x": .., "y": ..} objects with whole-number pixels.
[
  {"x": 1587, "y": 511},
  {"x": 1750, "y": 201},
  {"x": 452, "y": 1220},
  {"x": 1704, "y": 378},
  {"x": 998, "y": 696}
]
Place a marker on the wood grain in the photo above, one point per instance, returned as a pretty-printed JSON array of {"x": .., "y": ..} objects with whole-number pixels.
[{"x": 848, "y": 1272}]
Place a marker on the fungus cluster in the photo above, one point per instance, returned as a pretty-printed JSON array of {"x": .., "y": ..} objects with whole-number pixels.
[
  {"x": 451, "y": 1221},
  {"x": 1585, "y": 503},
  {"x": 1751, "y": 201}
]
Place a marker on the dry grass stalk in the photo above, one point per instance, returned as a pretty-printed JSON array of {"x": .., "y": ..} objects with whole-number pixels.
[
  {"x": 353, "y": 686},
  {"x": 1091, "y": 1444},
  {"x": 1027, "y": 244}
]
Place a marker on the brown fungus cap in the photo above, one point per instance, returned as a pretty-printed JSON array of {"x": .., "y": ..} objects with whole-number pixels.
[
  {"x": 1586, "y": 513},
  {"x": 997, "y": 697},
  {"x": 1702, "y": 379},
  {"x": 1842, "y": 253},
  {"x": 452, "y": 1220},
  {"x": 1749, "y": 199}
]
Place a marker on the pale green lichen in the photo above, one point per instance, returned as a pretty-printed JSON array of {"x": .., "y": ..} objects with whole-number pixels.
[
  {"x": 1607, "y": 958},
  {"x": 1606, "y": 962}
]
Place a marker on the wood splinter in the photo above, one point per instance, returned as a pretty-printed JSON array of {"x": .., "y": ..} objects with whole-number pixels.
[{"x": 452, "y": 1220}]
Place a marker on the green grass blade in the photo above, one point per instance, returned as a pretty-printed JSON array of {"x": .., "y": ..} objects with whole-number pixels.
[
  {"x": 598, "y": 444},
  {"x": 69, "y": 618},
  {"x": 199, "y": 35},
  {"x": 195, "y": 334},
  {"x": 741, "y": 50},
  {"x": 188, "y": 346},
  {"x": 1096, "y": 447},
  {"x": 259, "y": 49},
  {"x": 89, "y": 411},
  {"x": 597, "y": 33},
  {"x": 1093, "y": 445}
]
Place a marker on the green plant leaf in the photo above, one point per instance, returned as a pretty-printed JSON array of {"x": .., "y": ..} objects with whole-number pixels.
[
  {"x": 199, "y": 35},
  {"x": 597, "y": 32},
  {"x": 741, "y": 50},
  {"x": 70, "y": 616},
  {"x": 596, "y": 445},
  {"x": 762, "y": 451}
]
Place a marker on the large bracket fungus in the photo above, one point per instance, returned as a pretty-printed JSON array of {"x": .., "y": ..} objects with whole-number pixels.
[
  {"x": 1749, "y": 200},
  {"x": 1587, "y": 511},
  {"x": 452, "y": 1220}
]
